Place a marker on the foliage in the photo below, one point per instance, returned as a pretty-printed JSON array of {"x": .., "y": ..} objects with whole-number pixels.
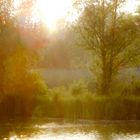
[
  {"x": 111, "y": 36},
  {"x": 65, "y": 103},
  {"x": 18, "y": 82},
  {"x": 113, "y": 41}
]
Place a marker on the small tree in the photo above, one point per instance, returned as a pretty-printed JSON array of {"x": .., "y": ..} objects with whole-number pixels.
[{"x": 110, "y": 35}]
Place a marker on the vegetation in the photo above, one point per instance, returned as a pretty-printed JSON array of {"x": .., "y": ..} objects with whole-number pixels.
[
  {"x": 112, "y": 38},
  {"x": 18, "y": 81},
  {"x": 77, "y": 102}
]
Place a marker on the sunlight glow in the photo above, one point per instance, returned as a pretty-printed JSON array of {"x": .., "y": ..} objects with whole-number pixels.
[
  {"x": 67, "y": 136},
  {"x": 131, "y": 6},
  {"x": 52, "y": 11}
]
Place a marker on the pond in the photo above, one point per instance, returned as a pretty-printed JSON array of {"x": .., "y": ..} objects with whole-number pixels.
[{"x": 69, "y": 130}]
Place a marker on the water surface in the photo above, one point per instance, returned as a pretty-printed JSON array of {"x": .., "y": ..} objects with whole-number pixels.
[{"x": 66, "y": 130}]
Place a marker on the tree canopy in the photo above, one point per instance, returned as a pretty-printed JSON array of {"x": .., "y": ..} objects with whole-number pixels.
[{"x": 111, "y": 35}]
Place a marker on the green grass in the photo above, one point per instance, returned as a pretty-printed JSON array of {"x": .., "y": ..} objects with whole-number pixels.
[{"x": 77, "y": 102}]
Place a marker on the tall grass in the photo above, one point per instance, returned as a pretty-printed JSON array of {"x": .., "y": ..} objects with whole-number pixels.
[{"x": 77, "y": 102}]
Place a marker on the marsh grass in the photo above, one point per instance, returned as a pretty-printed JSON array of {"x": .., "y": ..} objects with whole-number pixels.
[{"x": 77, "y": 102}]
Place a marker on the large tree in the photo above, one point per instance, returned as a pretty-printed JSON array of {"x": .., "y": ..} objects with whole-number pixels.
[
  {"x": 18, "y": 51},
  {"x": 111, "y": 35}
]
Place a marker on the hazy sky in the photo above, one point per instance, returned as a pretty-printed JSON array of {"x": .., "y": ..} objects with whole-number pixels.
[
  {"x": 131, "y": 5},
  {"x": 51, "y": 11}
]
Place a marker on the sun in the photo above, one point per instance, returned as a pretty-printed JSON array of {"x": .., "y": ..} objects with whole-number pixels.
[
  {"x": 131, "y": 6},
  {"x": 51, "y": 11}
]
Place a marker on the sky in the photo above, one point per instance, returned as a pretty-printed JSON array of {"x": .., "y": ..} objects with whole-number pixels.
[
  {"x": 52, "y": 11},
  {"x": 131, "y": 5}
]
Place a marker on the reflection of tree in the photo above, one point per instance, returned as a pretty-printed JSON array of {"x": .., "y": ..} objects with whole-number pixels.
[{"x": 16, "y": 128}]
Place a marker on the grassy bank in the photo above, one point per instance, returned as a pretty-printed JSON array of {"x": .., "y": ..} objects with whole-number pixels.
[
  {"x": 74, "y": 101},
  {"x": 77, "y": 102}
]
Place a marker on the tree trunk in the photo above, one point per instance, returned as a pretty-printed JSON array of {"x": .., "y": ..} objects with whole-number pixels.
[{"x": 107, "y": 75}]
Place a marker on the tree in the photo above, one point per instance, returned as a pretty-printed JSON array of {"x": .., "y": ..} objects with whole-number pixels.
[
  {"x": 110, "y": 35},
  {"x": 18, "y": 82},
  {"x": 6, "y": 34}
]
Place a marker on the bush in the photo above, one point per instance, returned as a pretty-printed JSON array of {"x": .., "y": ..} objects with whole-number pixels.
[
  {"x": 76, "y": 102},
  {"x": 21, "y": 97}
]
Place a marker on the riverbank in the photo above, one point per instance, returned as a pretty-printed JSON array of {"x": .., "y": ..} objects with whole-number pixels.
[
  {"x": 79, "y": 103},
  {"x": 72, "y": 102}
]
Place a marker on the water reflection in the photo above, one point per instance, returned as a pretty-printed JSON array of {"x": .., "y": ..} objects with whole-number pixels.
[{"x": 70, "y": 131}]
